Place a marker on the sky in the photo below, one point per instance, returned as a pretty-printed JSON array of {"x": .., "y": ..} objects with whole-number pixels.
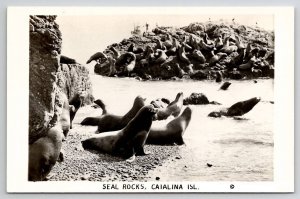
[{"x": 85, "y": 35}]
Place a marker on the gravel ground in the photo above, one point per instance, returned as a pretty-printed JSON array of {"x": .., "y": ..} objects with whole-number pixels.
[{"x": 80, "y": 164}]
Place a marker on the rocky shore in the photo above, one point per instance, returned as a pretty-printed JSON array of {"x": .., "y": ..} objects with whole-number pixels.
[
  {"x": 80, "y": 164},
  {"x": 197, "y": 51}
]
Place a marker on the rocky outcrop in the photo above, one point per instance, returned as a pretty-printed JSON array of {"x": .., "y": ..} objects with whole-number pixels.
[
  {"x": 198, "y": 51},
  {"x": 48, "y": 79},
  {"x": 196, "y": 98}
]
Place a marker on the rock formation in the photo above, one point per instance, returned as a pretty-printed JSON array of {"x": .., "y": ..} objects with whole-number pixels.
[
  {"x": 48, "y": 78},
  {"x": 197, "y": 51}
]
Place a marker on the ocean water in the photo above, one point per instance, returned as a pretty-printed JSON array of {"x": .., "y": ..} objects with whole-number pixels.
[{"x": 238, "y": 150}]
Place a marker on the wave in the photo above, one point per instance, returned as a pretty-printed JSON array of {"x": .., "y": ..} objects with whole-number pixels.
[{"x": 245, "y": 141}]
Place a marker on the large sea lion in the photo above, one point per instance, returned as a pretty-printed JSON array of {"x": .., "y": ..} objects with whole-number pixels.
[
  {"x": 44, "y": 153},
  {"x": 172, "y": 132},
  {"x": 173, "y": 108},
  {"x": 111, "y": 122},
  {"x": 237, "y": 109},
  {"x": 127, "y": 142}
]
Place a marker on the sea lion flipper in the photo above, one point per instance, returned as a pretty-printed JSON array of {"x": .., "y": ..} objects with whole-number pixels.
[
  {"x": 131, "y": 159},
  {"x": 60, "y": 157},
  {"x": 179, "y": 141},
  {"x": 139, "y": 142},
  {"x": 140, "y": 151}
]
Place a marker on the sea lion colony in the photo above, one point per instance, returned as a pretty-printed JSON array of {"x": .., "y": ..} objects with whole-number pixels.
[
  {"x": 196, "y": 52},
  {"x": 127, "y": 138}
]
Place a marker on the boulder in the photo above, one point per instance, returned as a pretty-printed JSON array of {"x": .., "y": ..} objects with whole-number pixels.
[{"x": 196, "y": 99}]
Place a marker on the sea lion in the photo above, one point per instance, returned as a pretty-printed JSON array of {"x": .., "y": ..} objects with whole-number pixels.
[
  {"x": 219, "y": 43},
  {"x": 98, "y": 57},
  {"x": 126, "y": 62},
  {"x": 239, "y": 43},
  {"x": 159, "y": 45},
  {"x": 237, "y": 109},
  {"x": 207, "y": 40},
  {"x": 179, "y": 72},
  {"x": 219, "y": 77},
  {"x": 215, "y": 57},
  {"x": 227, "y": 48},
  {"x": 173, "y": 49},
  {"x": 182, "y": 55},
  {"x": 64, "y": 119},
  {"x": 225, "y": 86},
  {"x": 66, "y": 60},
  {"x": 172, "y": 132},
  {"x": 248, "y": 65},
  {"x": 160, "y": 103},
  {"x": 75, "y": 103},
  {"x": 198, "y": 56},
  {"x": 111, "y": 122},
  {"x": 131, "y": 48},
  {"x": 206, "y": 47},
  {"x": 44, "y": 153},
  {"x": 168, "y": 42},
  {"x": 161, "y": 56},
  {"x": 173, "y": 108},
  {"x": 238, "y": 60},
  {"x": 128, "y": 141},
  {"x": 112, "y": 67},
  {"x": 116, "y": 53}
]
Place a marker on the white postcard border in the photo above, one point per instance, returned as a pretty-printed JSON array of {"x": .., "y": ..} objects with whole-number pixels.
[{"x": 18, "y": 99}]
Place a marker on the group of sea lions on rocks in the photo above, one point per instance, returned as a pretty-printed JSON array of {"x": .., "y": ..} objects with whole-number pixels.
[
  {"x": 198, "y": 52},
  {"x": 122, "y": 136},
  {"x": 216, "y": 50}
]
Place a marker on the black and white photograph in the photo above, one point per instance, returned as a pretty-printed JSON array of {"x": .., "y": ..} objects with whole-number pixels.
[{"x": 154, "y": 100}]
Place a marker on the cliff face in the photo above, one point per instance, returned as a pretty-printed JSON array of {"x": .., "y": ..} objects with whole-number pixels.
[
  {"x": 48, "y": 78},
  {"x": 197, "y": 51}
]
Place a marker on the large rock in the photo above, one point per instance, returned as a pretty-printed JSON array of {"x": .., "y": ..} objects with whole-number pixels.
[
  {"x": 193, "y": 61},
  {"x": 196, "y": 99},
  {"x": 48, "y": 79}
]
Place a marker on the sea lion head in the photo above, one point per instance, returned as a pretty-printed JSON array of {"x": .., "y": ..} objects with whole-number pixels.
[
  {"x": 187, "y": 113},
  {"x": 179, "y": 96},
  {"x": 139, "y": 101},
  {"x": 142, "y": 120},
  {"x": 43, "y": 154}
]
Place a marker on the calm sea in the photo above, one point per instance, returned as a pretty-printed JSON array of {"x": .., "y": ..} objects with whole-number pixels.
[{"x": 238, "y": 150}]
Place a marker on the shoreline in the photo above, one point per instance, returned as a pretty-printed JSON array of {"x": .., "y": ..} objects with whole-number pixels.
[{"x": 81, "y": 165}]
